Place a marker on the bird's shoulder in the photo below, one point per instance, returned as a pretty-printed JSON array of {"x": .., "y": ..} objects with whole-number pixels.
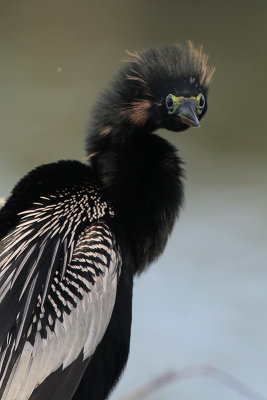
[{"x": 58, "y": 184}]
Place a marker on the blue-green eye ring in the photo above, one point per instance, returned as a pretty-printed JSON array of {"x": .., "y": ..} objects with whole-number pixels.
[
  {"x": 172, "y": 102},
  {"x": 201, "y": 101},
  {"x": 169, "y": 104}
]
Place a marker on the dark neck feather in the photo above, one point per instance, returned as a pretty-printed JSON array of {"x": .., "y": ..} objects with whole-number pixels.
[{"x": 141, "y": 176}]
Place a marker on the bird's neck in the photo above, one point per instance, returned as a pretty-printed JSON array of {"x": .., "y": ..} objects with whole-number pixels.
[{"x": 141, "y": 175}]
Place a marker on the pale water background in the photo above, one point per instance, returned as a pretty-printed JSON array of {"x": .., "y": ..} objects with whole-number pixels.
[{"x": 205, "y": 300}]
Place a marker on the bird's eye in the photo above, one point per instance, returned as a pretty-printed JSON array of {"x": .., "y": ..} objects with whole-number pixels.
[
  {"x": 169, "y": 103},
  {"x": 201, "y": 101}
]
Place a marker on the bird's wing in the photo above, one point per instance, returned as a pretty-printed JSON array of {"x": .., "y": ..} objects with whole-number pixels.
[{"x": 57, "y": 290}]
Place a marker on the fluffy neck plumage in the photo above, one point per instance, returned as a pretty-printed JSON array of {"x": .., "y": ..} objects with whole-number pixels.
[{"x": 141, "y": 175}]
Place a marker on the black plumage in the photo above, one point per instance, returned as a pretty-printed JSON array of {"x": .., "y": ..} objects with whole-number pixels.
[{"x": 72, "y": 236}]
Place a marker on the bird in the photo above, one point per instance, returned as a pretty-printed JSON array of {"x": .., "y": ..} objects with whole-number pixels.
[{"x": 74, "y": 235}]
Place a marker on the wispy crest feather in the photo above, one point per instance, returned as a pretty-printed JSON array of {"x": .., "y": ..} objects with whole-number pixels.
[{"x": 173, "y": 62}]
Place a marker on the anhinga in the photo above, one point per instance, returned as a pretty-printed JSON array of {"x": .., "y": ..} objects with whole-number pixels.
[{"x": 73, "y": 236}]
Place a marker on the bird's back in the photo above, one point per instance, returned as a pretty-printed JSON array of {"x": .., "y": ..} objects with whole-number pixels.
[{"x": 59, "y": 270}]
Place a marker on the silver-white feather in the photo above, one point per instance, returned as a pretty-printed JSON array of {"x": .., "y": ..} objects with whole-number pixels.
[
  {"x": 81, "y": 331},
  {"x": 45, "y": 234}
]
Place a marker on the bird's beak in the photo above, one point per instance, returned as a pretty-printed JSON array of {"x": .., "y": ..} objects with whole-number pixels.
[{"x": 187, "y": 113}]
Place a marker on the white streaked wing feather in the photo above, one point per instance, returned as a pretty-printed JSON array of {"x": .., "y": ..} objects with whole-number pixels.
[{"x": 81, "y": 331}]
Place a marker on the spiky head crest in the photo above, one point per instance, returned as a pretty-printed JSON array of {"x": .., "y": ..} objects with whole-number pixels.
[{"x": 169, "y": 63}]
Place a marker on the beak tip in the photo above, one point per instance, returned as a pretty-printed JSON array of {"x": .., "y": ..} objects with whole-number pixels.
[{"x": 190, "y": 121}]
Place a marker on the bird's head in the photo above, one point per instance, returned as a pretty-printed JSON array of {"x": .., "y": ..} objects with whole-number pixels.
[
  {"x": 161, "y": 87},
  {"x": 165, "y": 87}
]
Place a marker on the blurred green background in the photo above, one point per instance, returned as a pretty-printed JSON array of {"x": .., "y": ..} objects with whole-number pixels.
[{"x": 205, "y": 300}]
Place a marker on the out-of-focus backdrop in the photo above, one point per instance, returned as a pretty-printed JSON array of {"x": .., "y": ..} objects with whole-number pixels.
[{"x": 205, "y": 300}]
